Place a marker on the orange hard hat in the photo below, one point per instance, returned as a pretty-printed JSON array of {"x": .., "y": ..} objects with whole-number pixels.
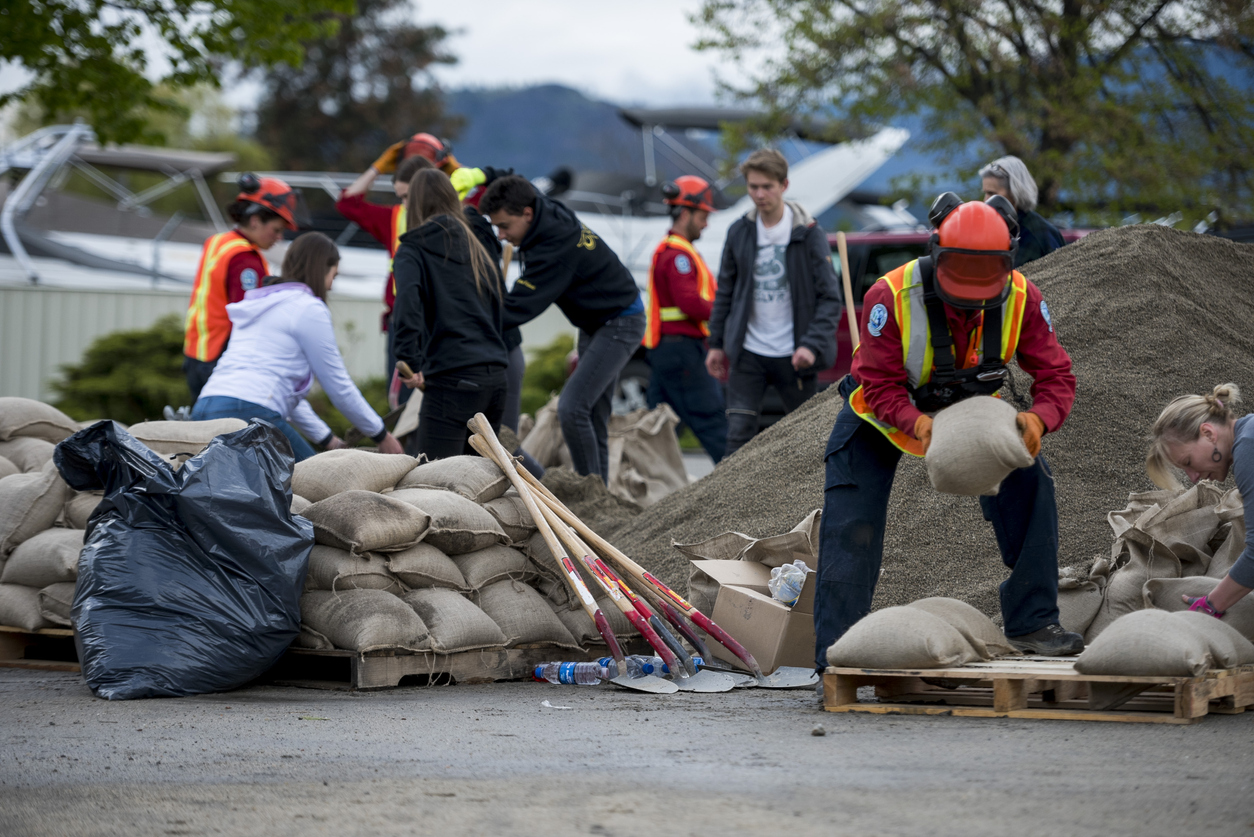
[
  {"x": 974, "y": 249},
  {"x": 272, "y": 194},
  {"x": 689, "y": 191},
  {"x": 426, "y": 145}
]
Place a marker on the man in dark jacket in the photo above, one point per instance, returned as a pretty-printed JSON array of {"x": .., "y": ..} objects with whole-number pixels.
[
  {"x": 778, "y": 303},
  {"x": 566, "y": 263}
]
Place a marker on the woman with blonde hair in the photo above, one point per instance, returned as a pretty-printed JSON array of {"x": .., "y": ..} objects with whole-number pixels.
[
  {"x": 1202, "y": 436},
  {"x": 447, "y": 323}
]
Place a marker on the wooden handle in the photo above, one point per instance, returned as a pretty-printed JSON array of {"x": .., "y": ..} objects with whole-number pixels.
[
  {"x": 507, "y": 256},
  {"x": 843, "y": 247}
]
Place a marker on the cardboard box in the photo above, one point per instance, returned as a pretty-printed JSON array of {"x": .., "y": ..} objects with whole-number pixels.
[
  {"x": 754, "y": 576},
  {"x": 774, "y": 634}
]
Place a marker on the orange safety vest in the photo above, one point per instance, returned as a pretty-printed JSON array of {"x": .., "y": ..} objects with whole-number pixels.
[
  {"x": 916, "y": 343},
  {"x": 207, "y": 325},
  {"x": 656, "y": 314}
]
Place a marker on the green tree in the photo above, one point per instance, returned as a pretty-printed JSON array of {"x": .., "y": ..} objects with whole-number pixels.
[
  {"x": 89, "y": 56},
  {"x": 355, "y": 92},
  {"x": 1115, "y": 105}
]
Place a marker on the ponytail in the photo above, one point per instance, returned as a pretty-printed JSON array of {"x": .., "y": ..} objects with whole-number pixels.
[{"x": 1181, "y": 423}]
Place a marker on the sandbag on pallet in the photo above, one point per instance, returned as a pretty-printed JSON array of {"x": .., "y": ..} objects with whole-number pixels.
[
  {"x": 46, "y": 558},
  {"x": 79, "y": 507},
  {"x": 19, "y": 608},
  {"x": 33, "y": 419},
  {"x": 975, "y": 445},
  {"x": 27, "y": 453},
  {"x": 901, "y": 637},
  {"x": 338, "y": 569},
  {"x": 423, "y": 565},
  {"x": 1078, "y": 603},
  {"x": 473, "y": 477},
  {"x": 29, "y": 504},
  {"x": 56, "y": 602},
  {"x": 299, "y": 504},
  {"x": 457, "y": 526},
  {"x": 494, "y": 563},
  {"x": 985, "y": 637},
  {"x": 363, "y": 521},
  {"x": 454, "y": 621},
  {"x": 1166, "y": 593},
  {"x": 175, "y": 437},
  {"x": 364, "y": 620},
  {"x": 522, "y": 615},
  {"x": 1147, "y": 643},
  {"x": 334, "y": 471}
]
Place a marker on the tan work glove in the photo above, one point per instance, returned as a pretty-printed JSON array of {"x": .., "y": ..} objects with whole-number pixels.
[
  {"x": 386, "y": 164},
  {"x": 923, "y": 431},
  {"x": 1032, "y": 428}
]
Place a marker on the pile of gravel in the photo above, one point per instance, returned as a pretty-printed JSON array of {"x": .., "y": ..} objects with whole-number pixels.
[
  {"x": 1146, "y": 312},
  {"x": 590, "y": 500}
]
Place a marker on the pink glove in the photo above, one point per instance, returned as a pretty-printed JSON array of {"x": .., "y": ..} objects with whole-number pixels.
[{"x": 1202, "y": 604}]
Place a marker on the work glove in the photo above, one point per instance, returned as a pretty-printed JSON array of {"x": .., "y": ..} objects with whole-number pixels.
[
  {"x": 490, "y": 174},
  {"x": 466, "y": 179},
  {"x": 386, "y": 164},
  {"x": 1032, "y": 428},
  {"x": 1202, "y": 605},
  {"x": 923, "y": 431}
]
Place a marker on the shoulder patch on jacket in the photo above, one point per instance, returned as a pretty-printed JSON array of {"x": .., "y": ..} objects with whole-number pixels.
[
  {"x": 682, "y": 264},
  {"x": 248, "y": 279},
  {"x": 879, "y": 317},
  {"x": 1045, "y": 313}
]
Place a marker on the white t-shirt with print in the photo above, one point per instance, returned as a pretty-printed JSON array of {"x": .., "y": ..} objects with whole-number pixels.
[{"x": 770, "y": 322}]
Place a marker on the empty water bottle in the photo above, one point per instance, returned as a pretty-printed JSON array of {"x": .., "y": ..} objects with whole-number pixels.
[
  {"x": 639, "y": 665},
  {"x": 578, "y": 674}
]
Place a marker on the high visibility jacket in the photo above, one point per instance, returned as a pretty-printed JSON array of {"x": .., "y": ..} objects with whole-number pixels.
[
  {"x": 656, "y": 313},
  {"x": 916, "y": 344},
  {"x": 207, "y": 324},
  {"x": 399, "y": 220}
]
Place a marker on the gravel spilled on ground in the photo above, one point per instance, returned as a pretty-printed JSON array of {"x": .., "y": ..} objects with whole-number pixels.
[{"x": 1146, "y": 312}]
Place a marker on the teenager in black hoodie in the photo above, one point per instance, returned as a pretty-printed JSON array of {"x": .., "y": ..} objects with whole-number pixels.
[
  {"x": 447, "y": 320},
  {"x": 566, "y": 263}
]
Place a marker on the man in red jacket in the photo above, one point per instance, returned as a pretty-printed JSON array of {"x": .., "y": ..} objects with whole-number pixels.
[
  {"x": 966, "y": 302},
  {"x": 681, "y": 294}
]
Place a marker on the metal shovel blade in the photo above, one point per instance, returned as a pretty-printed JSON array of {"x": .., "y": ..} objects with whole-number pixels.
[
  {"x": 705, "y": 681},
  {"x": 740, "y": 680},
  {"x": 648, "y": 683},
  {"x": 790, "y": 677}
]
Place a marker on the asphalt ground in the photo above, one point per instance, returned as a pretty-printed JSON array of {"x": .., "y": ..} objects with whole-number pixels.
[{"x": 494, "y": 759}]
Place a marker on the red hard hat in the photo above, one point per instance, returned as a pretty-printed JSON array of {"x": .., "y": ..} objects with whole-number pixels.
[
  {"x": 426, "y": 145},
  {"x": 272, "y": 194},
  {"x": 974, "y": 254},
  {"x": 690, "y": 191}
]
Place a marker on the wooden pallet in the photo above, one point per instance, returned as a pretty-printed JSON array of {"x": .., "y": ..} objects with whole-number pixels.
[
  {"x": 49, "y": 649},
  {"x": 1040, "y": 688}
]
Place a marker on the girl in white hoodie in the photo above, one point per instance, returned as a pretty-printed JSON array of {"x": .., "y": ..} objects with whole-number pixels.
[{"x": 281, "y": 338}]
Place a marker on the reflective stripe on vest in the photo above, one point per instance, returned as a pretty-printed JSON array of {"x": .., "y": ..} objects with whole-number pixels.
[
  {"x": 398, "y": 229},
  {"x": 706, "y": 288},
  {"x": 207, "y": 325},
  {"x": 916, "y": 343}
]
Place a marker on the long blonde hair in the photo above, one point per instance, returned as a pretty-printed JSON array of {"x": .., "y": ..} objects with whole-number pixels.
[
  {"x": 1181, "y": 422},
  {"x": 431, "y": 193}
]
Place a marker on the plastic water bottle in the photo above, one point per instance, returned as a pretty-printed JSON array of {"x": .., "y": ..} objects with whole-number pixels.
[
  {"x": 579, "y": 674},
  {"x": 639, "y": 665}
]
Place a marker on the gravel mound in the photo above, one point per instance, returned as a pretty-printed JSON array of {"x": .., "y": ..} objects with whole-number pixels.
[
  {"x": 1146, "y": 312},
  {"x": 590, "y": 500}
]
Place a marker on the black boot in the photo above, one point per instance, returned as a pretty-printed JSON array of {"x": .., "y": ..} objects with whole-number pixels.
[{"x": 1049, "y": 641}]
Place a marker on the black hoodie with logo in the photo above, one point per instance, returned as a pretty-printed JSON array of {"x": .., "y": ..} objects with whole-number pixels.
[
  {"x": 441, "y": 323},
  {"x": 567, "y": 263}
]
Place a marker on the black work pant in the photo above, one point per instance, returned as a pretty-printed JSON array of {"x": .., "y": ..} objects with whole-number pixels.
[
  {"x": 197, "y": 372},
  {"x": 679, "y": 378},
  {"x": 451, "y": 400},
  {"x": 746, "y": 388}
]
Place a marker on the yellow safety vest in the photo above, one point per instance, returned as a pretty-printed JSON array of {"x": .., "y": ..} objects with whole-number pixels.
[
  {"x": 207, "y": 326},
  {"x": 656, "y": 314}
]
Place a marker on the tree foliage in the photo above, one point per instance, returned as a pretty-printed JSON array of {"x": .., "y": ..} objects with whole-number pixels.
[
  {"x": 93, "y": 56},
  {"x": 355, "y": 92},
  {"x": 546, "y": 373},
  {"x": 1115, "y": 105}
]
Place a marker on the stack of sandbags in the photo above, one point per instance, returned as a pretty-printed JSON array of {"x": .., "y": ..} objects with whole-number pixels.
[
  {"x": 562, "y": 600},
  {"x": 930, "y": 633},
  {"x": 1151, "y": 643},
  {"x": 38, "y": 557},
  {"x": 418, "y": 557}
]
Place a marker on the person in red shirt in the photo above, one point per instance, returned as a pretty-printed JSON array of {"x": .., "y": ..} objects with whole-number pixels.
[
  {"x": 990, "y": 314},
  {"x": 681, "y": 294}
]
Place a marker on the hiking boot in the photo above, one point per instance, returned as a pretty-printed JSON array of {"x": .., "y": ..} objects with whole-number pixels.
[{"x": 1049, "y": 641}]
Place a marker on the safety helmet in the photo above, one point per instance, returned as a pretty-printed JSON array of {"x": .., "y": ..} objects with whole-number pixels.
[
  {"x": 427, "y": 145},
  {"x": 973, "y": 248},
  {"x": 689, "y": 191},
  {"x": 272, "y": 194}
]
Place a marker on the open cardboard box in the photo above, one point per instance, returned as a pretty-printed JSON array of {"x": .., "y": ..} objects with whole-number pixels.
[{"x": 776, "y": 635}]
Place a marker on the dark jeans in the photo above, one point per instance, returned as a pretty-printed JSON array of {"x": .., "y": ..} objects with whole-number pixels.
[
  {"x": 513, "y": 387},
  {"x": 197, "y": 372},
  {"x": 679, "y": 378},
  {"x": 451, "y": 400},
  {"x": 746, "y": 388},
  {"x": 861, "y": 464},
  {"x": 585, "y": 405},
  {"x": 220, "y": 406}
]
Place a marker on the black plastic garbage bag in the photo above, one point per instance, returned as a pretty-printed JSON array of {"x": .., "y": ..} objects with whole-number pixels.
[{"x": 189, "y": 580}]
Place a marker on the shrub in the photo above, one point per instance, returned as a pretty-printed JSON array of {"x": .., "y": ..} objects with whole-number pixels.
[{"x": 546, "y": 373}]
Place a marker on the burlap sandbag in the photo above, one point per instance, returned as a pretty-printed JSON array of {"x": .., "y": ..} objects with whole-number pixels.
[
  {"x": 172, "y": 437},
  {"x": 801, "y": 543},
  {"x": 29, "y": 504},
  {"x": 475, "y": 478},
  {"x": 45, "y": 558},
  {"x": 581, "y": 627},
  {"x": 544, "y": 442},
  {"x": 364, "y": 620},
  {"x": 1166, "y": 593},
  {"x": 422, "y": 565},
  {"x": 19, "y": 608},
  {"x": 901, "y": 638},
  {"x": 457, "y": 526},
  {"x": 522, "y": 615},
  {"x": 985, "y": 637},
  {"x": 335, "y": 471},
  {"x": 1228, "y": 648},
  {"x": 56, "y": 601},
  {"x": 362, "y": 521},
  {"x": 1147, "y": 643},
  {"x": 27, "y": 417},
  {"x": 311, "y": 639},
  {"x": 495, "y": 563},
  {"x": 27, "y": 453},
  {"x": 7, "y": 468},
  {"x": 975, "y": 445},
  {"x": 1227, "y": 553},
  {"x": 80, "y": 506},
  {"x": 510, "y": 511},
  {"x": 338, "y": 569},
  {"x": 645, "y": 461},
  {"x": 1078, "y": 604},
  {"x": 299, "y": 504},
  {"x": 455, "y": 622},
  {"x": 554, "y": 590}
]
